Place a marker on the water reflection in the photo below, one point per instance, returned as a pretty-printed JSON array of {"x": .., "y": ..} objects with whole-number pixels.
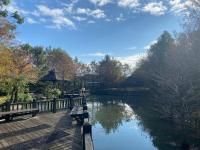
[
  {"x": 114, "y": 120},
  {"x": 115, "y": 125},
  {"x": 110, "y": 115}
]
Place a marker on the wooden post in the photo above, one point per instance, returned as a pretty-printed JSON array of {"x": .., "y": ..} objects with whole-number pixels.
[
  {"x": 87, "y": 129},
  {"x": 54, "y": 105},
  {"x": 7, "y": 104},
  {"x": 71, "y": 103},
  {"x": 7, "y": 108},
  {"x": 85, "y": 114},
  {"x": 84, "y": 101},
  {"x": 85, "y": 107},
  {"x": 34, "y": 103}
]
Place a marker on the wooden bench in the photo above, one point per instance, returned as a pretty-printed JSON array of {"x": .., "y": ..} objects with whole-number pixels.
[{"x": 8, "y": 115}]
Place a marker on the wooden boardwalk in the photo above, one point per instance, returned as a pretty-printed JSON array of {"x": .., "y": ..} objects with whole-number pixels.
[{"x": 45, "y": 131}]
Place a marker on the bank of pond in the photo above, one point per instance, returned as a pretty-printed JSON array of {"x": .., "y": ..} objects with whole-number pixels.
[{"x": 124, "y": 122}]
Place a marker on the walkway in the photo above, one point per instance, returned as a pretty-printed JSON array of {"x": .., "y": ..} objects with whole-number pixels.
[{"x": 46, "y": 131}]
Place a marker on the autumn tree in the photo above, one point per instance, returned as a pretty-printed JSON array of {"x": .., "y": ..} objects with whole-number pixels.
[
  {"x": 16, "y": 71},
  {"x": 39, "y": 57},
  {"x": 63, "y": 64},
  {"x": 8, "y": 22}
]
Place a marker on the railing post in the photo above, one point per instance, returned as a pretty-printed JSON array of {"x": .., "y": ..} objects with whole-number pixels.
[
  {"x": 84, "y": 100},
  {"x": 34, "y": 103},
  {"x": 54, "y": 105},
  {"x": 71, "y": 102},
  {"x": 85, "y": 114},
  {"x": 85, "y": 107},
  {"x": 7, "y": 108},
  {"x": 7, "y": 104},
  {"x": 87, "y": 129}
]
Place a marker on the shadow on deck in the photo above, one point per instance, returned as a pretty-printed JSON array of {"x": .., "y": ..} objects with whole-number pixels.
[{"x": 46, "y": 131}]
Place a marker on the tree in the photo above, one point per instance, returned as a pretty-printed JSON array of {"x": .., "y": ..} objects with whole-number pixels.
[
  {"x": 16, "y": 71},
  {"x": 39, "y": 57},
  {"x": 94, "y": 67},
  {"x": 110, "y": 71},
  {"x": 81, "y": 69},
  {"x": 126, "y": 69},
  {"x": 8, "y": 22},
  {"x": 62, "y": 63}
]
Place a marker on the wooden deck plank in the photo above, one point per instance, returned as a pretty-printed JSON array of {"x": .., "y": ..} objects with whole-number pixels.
[{"x": 46, "y": 131}]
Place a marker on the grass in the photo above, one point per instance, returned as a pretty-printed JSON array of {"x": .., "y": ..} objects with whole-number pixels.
[{"x": 3, "y": 99}]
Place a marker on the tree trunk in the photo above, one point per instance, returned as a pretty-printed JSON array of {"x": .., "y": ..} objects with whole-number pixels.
[{"x": 16, "y": 95}]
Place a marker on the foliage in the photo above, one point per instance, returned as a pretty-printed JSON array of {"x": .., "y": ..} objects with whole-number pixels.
[
  {"x": 110, "y": 71},
  {"x": 81, "y": 69},
  {"x": 171, "y": 72},
  {"x": 38, "y": 56},
  {"x": 59, "y": 60},
  {"x": 3, "y": 99},
  {"x": 8, "y": 22},
  {"x": 25, "y": 97},
  {"x": 52, "y": 93},
  {"x": 16, "y": 70}
]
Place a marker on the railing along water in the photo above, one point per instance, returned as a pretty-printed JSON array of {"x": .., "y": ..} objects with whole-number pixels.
[{"x": 51, "y": 105}]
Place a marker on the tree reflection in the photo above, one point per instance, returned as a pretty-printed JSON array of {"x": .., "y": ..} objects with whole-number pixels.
[
  {"x": 110, "y": 114},
  {"x": 166, "y": 134}
]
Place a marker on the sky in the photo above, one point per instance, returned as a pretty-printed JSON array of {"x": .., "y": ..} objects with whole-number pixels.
[{"x": 90, "y": 29}]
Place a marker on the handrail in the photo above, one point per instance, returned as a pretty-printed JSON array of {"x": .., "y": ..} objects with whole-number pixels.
[{"x": 51, "y": 105}]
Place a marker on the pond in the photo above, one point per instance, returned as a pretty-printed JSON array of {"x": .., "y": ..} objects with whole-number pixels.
[{"x": 116, "y": 126}]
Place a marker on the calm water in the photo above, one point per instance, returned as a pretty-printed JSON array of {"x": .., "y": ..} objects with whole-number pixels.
[{"x": 116, "y": 126}]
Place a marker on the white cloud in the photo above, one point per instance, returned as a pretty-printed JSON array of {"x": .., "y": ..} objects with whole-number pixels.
[
  {"x": 44, "y": 10},
  {"x": 100, "y": 2},
  {"x": 42, "y": 20},
  {"x": 177, "y": 6},
  {"x": 155, "y": 8},
  {"x": 132, "y": 60},
  {"x": 129, "y": 3},
  {"x": 13, "y": 8},
  {"x": 108, "y": 20},
  {"x": 35, "y": 13},
  {"x": 69, "y": 7},
  {"x": 96, "y": 13},
  {"x": 97, "y": 54},
  {"x": 62, "y": 22},
  {"x": 31, "y": 21},
  {"x": 78, "y": 18},
  {"x": 91, "y": 21},
  {"x": 148, "y": 46},
  {"x": 57, "y": 15},
  {"x": 120, "y": 18}
]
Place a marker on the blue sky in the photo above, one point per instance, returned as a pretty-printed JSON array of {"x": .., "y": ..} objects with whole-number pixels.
[{"x": 89, "y": 29}]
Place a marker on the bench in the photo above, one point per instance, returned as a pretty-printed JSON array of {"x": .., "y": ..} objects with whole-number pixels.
[{"x": 8, "y": 115}]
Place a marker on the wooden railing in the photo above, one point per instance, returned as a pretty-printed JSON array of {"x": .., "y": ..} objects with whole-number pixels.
[{"x": 43, "y": 105}]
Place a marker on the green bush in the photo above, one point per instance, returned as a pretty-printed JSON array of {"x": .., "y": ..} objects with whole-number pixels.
[{"x": 25, "y": 97}]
